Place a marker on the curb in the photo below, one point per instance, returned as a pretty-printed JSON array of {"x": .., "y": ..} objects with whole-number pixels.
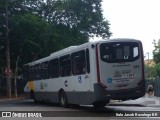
[{"x": 11, "y": 99}]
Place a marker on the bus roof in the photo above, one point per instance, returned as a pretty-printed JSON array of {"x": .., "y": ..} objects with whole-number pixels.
[{"x": 73, "y": 48}]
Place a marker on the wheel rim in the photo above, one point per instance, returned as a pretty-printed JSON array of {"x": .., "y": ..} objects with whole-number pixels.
[{"x": 63, "y": 99}]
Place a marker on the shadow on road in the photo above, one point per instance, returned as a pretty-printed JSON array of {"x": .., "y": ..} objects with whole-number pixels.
[
  {"x": 74, "y": 110},
  {"x": 55, "y": 110}
]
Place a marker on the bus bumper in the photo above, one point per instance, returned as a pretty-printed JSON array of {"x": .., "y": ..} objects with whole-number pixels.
[{"x": 102, "y": 94}]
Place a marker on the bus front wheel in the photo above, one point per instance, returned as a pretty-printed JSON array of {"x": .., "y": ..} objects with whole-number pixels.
[
  {"x": 63, "y": 99},
  {"x": 32, "y": 96}
]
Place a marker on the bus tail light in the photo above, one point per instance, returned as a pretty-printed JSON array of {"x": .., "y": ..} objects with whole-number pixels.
[{"x": 98, "y": 70}]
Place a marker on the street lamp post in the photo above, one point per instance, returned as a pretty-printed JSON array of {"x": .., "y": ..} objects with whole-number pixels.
[
  {"x": 148, "y": 65},
  {"x": 148, "y": 58}
]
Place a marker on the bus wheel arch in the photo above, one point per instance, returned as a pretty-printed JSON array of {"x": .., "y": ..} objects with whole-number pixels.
[
  {"x": 32, "y": 94},
  {"x": 63, "y": 98}
]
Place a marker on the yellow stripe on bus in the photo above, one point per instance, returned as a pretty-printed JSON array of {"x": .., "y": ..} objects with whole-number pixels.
[{"x": 31, "y": 85}]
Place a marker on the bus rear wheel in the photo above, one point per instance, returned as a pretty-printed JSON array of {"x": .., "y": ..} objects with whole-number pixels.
[
  {"x": 100, "y": 103},
  {"x": 63, "y": 99}
]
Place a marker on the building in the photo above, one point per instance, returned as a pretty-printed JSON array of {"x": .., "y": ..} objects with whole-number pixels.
[{"x": 149, "y": 62}]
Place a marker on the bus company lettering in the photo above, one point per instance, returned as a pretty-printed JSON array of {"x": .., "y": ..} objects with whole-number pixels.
[
  {"x": 117, "y": 73},
  {"x": 43, "y": 85},
  {"x": 79, "y": 79},
  {"x": 121, "y": 80},
  {"x": 122, "y": 65},
  {"x": 136, "y": 66},
  {"x": 125, "y": 74}
]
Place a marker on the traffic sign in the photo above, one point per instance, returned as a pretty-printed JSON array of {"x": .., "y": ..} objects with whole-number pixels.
[{"x": 8, "y": 71}]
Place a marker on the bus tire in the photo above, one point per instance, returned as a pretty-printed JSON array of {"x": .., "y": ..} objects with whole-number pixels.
[
  {"x": 63, "y": 99},
  {"x": 100, "y": 104}
]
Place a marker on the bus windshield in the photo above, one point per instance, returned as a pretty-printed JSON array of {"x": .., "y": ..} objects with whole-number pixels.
[{"x": 116, "y": 52}]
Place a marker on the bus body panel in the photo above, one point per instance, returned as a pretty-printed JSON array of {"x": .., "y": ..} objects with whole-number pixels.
[
  {"x": 105, "y": 81},
  {"x": 122, "y": 79},
  {"x": 76, "y": 87},
  {"x": 121, "y": 75}
]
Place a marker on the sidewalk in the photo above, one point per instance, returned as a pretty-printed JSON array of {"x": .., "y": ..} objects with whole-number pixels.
[
  {"x": 145, "y": 101},
  {"x": 5, "y": 99}
]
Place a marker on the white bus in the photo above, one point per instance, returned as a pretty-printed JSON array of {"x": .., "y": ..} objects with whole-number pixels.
[{"x": 91, "y": 73}]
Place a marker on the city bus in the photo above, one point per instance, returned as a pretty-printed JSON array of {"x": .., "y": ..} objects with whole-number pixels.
[{"x": 89, "y": 74}]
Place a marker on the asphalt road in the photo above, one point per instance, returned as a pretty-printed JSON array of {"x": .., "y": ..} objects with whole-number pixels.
[{"x": 22, "y": 109}]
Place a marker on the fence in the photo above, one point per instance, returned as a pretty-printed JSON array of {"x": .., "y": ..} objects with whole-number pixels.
[{"x": 156, "y": 85}]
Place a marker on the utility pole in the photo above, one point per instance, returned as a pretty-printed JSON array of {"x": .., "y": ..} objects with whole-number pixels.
[
  {"x": 7, "y": 69},
  {"x": 148, "y": 65}
]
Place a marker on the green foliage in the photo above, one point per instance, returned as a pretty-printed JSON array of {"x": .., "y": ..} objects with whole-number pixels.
[
  {"x": 39, "y": 27},
  {"x": 156, "y": 51},
  {"x": 152, "y": 71},
  {"x": 84, "y": 15},
  {"x": 2, "y": 35},
  {"x": 156, "y": 70},
  {"x": 26, "y": 35}
]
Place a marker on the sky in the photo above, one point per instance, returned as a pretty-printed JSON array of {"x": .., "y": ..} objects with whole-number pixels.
[{"x": 138, "y": 19}]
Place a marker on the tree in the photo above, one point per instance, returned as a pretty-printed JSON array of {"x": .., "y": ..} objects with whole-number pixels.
[
  {"x": 39, "y": 27},
  {"x": 156, "y": 57},
  {"x": 84, "y": 15},
  {"x": 150, "y": 71},
  {"x": 2, "y": 36},
  {"x": 59, "y": 23},
  {"x": 156, "y": 70},
  {"x": 156, "y": 51}
]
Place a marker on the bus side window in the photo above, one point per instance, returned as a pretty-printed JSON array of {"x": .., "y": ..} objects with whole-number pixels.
[
  {"x": 26, "y": 73},
  {"x": 37, "y": 72},
  {"x": 54, "y": 68},
  {"x": 44, "y": 70},
  {"x": 78, "y": 63},
  {"x": 51, "y": 68},
  {"x": 31, "y": 74},
  {"x": 65, "y": 66}
]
